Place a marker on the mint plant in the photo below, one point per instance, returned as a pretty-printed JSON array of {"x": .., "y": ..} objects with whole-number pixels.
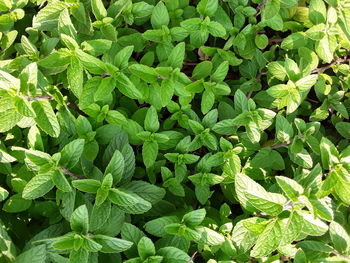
[{"x": 174, "y": 131}]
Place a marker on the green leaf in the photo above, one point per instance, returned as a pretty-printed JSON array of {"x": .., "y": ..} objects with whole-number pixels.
[
  {"x": 240, "y": 101},
  {"x": 209, "y": 236},
  {"x": 92, "y": 64},
  {"x": 207, "y": 7},
  {"x": 272, "y": 7},
  {"x": 278, "y": 91},
  {"x": 244, "y": 183},
  {"x": 313, "y": 226},
  {"x": 263, "y": 157},
  {"x": 61, "y": 182},
  {"x": 156, "y": 226},
  {"x": 318, "y": 11},
  {"x": 172, "y": 254},
  {"x": 46, "y": 118},
  {"x": 290, "y": 187},
  {"x": 323, "y": 208},
  {"x": 24, "y": 107},
  {"x": 98, "y": 9},
  {"x": 8, "y": 82},
  {"x": 323, "y": 49},
  {"x": 80, "y": 255},
  {"x": 344, "y": 129},
  {"x": 208, "y": 100},
  {"x": 160, "y": 16},
  {"x": 131, "y": 233},
  {"x": 304, "y": 84},
  {"x": 151, "y": 120},
  {"x": 75, "y": 76},
  {"x": 277, "y": 70},
  {"x": 16, "y": 204},
  {"x": 116, "y": 166},
  {"x": 103, "y": 191},
  {"x": 340, "y": 237},
  {"x": 146, "y": 248},
  {"x": 216, "y": 29},
  {"x": 194, "y": 218},
  {"x": 294, "y": 41},
  {"x": 314, "y": 246},
  {"x": 329, "y": 154},
  {"x": 29, "y": 77},
  {"x": 269, "y": 240},
  {"x": 147, "y": 191},
  {"x": 79, "y": 220},
  {"x": 115, "y": 117},
  {"x": 9, "y": 119},
  {"x": 90, "y": 245},
  {"x": 99, "y": 215},
  {"x": 112, "y": 244},
  {"x": 284, "y": 130},
  {"x": 221, "y": 72},
  {"x": 45, "y": 19},
  {"x": 37, "y": 158},
  {"x": 261, "y": 41},
  {"x": 34, "y": 254},
  {"x": 128, "y": 201},
  {"x": 71, "y": 153},
  {"x": 38, "y": 186},
  {"x": 66, "y": 27},
  {"x": 106, "y": 86},
  {"x": 126, "y": 87},
  {"x": 5, "y": 157},
  {"x": 123, "y": 56},
  {"x": 293, "y": 228},
  {"x": 28, "y": 47},
  {"x": 230, "y": 57},
  {"x": 144, "y": 72},
  {"x": 270, "y": 203},
  {"x": 177, "y": 56},
  {"x": 3, "y": 194},
  {"x": 87, "y": 185},
  {"x": 149, "y": 152}
]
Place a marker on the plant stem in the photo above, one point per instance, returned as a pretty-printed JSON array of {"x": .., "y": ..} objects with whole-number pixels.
[
  {"x": 338, "y": 61},
  {"x": 283, "y": 144},
  {"x": 69, "y": 173},
  {"x": 275, "y": 40},
  {"x": 47, "y": 97}
]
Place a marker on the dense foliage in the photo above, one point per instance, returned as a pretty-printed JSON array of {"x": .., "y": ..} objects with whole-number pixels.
[{"x": 174, "y": 131}]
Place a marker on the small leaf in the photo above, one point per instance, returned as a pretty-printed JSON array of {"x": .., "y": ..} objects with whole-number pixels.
[
  {"x": 160, "y": 16},
  {"x": 16, "y": 204},
  {"x": 98, "y": 9},
  {"x": 149, "y": 153},
  {"x": 128, "y": 201},
  {"x": 79, "y": 220},
  {"x": 146, "y": 248},
  {"x": 71, "y": 153},
  {"x": 61, "y": 182},
  {"x": 151, "y": 120},
  {"x": 340, "y": 237},
  {"x": 207, "y": 7},
  {"x": 111, "y": 244},
  {"x": 194, "y": 218},
  {"x": 269, "y": 240},
  {"x": 46, "y": 118},
  {"x": 116, "y": 166},
  {"x": 87, "y": 185},
  {"x": 271, "y": 9},
  {"x": 38, "y": 186},
  {"x": 290, "y": 187}
]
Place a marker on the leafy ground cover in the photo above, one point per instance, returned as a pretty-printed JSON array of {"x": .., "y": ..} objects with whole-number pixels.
[{"x": 174, "y": 131}]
